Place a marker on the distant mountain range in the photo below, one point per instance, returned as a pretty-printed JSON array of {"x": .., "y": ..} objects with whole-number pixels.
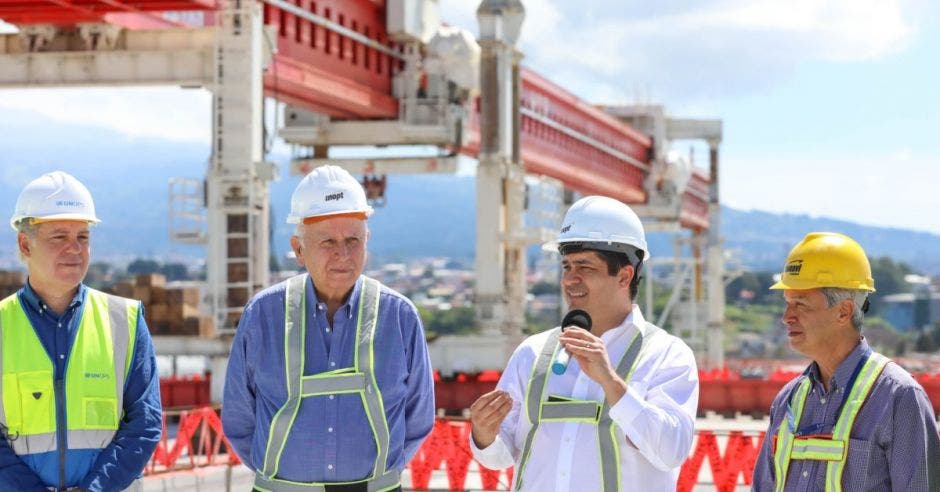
[{"x": 425, "y": 216}]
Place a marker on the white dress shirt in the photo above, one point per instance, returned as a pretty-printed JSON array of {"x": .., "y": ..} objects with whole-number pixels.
[{"x": 656, "y": 416}]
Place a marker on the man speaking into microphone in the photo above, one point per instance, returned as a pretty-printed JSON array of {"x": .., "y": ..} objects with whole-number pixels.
[{"x": 619, "y": 415}]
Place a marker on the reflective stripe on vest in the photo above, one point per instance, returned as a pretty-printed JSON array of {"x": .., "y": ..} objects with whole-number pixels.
[
  {"x": 572, "y": 410},
  {"x": 834, "y": 451},
  {"x": 94, "y": 377},
  {"x": 357, "y": 379}
]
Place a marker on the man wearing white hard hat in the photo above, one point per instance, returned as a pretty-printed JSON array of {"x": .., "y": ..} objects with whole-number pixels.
[
  {"x": 81, "y": 395},
  {"x": 329, "y": 383},
  {"x": 620, "y": 415}
]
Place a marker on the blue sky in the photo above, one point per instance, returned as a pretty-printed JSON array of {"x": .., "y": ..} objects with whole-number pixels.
[{"x": 830, "y": 108}]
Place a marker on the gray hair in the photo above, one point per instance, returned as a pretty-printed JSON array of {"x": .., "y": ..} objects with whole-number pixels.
[
  {"x": 835, "y": 296},
  {"x": 27, "y": 227}
]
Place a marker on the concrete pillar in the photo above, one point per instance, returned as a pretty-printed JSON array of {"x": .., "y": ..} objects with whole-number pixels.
[
  {"x": 715, "y": 267},
  {"x": 237, "y": 179},
  {"x": 500, "y": 248}
]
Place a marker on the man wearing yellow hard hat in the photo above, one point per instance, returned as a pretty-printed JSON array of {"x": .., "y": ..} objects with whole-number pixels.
[
  {"x": 853, "y": 420},
  {"x": 80, "y": 389}
]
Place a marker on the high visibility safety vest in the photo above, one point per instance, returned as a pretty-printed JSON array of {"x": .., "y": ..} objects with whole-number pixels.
[
  {"x": 790, "y": 447},
  {"x": 360, "y": 378},
  {"x": 563, "y": 409},
  {"x": 93, "y": 383}
]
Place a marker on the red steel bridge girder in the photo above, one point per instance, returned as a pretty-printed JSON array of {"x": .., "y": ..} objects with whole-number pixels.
[
  {"x": 70, "y": 12},
  {"x": 694, "y": 209},
  {"x": 315, "y": 68},
  {"x": 320, "y": 70}
]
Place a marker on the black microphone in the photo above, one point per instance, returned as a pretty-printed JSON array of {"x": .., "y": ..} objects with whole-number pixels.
[{"x": 575, "y": 317}]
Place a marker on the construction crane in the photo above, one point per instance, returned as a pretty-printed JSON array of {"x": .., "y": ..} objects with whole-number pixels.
[{"x": 371, "y": 72}]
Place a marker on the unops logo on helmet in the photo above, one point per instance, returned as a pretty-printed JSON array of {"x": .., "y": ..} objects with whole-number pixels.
[
  {"x": 566, "y": 228},
  {"x": 333, "y": 196},
  {"x": 68, "y": 203}
]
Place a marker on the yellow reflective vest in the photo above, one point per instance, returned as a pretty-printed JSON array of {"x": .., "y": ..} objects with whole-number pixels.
[{"x": 92, "y": 386}]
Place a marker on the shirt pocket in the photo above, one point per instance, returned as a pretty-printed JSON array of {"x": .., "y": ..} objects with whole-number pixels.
[
  {"x": 865, "y": 464},
  {"x": 36, "y": 405},
  {"x": 100, "y": 413}
]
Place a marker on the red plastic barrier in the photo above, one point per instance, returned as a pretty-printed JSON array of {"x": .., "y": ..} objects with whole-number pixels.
[
  {"x": 204, "y": 425},
  {"x": 931, "y": 384},
  {"x": 185, "y": 391},
  {"x": 448, "y": 444},
  {"x": 720, "y": 390},
  {"x": 739, "y": 458},
  {"x": 743, "y": 395},
  {"x": 455, "y": 396},
  {"x": 448, "y": 447}
]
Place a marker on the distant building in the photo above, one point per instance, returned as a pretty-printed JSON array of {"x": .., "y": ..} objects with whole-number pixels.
[{"x": 910, "y": 312}]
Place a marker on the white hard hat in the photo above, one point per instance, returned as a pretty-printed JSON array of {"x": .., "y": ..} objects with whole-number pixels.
[
  {"x": 327, "y": 190},
  {"x": 602, "y": 223},
  {"x": 55, "y": 196}
]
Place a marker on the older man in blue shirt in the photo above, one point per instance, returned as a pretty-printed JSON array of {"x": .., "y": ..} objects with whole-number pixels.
[
  {"x": 81, "y": 395},
  {"x": 329, "y": 382},
  {"x": 853, "y": 420}
]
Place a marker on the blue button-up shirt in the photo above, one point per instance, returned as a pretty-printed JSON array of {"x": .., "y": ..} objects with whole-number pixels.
[
  {"x": 893, "y": 445},
  {"x": 331, "y": 439},
  {"x": 119, "y": 464}
]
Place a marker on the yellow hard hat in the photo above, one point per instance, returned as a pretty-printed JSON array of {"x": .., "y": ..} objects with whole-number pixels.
[{"x": 826, "y": 259}]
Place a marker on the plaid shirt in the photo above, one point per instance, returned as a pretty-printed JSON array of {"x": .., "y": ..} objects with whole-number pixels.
[{"x": 894, "y": 444}]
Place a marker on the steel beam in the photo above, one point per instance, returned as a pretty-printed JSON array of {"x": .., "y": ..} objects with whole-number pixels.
[{"x": 387, "y": 165}]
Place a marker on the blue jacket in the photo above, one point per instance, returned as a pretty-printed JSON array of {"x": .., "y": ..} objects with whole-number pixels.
[
  {"x": 119, "y": 464},
  {"x": 330, "y": 440}
]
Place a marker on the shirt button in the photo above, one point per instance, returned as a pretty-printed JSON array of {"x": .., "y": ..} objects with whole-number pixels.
[
  {"x": 332, "y": 364},
  {"x": 331, "y": 397},
  {"x": 822, "y": 400},
  {"x": 327, "y": 330},
  {"x": 330, "y": 429},
  {"x": 329, "y": 467},
  {"x": 61, "y": 356},
  {"x": 60, "y": 325},
  {"x": 805, "y": 474}
]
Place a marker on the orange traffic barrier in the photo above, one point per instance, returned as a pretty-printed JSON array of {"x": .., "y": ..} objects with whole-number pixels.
[{"x": 199, "y": 438}]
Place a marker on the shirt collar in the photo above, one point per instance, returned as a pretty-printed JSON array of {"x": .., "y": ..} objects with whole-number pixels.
[
  {"x": 348, "y": 307},
  {"x": 31, "y": 298},
  {"x": 840, "y": 379},
  {"x": 633, "y": 321}
]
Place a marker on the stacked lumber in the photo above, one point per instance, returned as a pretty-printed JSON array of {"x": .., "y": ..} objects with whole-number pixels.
[
  {"x": 10, "y": 282},
  {"x": 168, "y": 310}
]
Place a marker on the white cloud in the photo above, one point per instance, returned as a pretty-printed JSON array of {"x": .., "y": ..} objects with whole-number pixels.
[
  {"x": 903, "y": 155},
  {"x": 841, "y": 30},
  {"x": 694, "y": 51},
  {"x": 156, "y": 112}
]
